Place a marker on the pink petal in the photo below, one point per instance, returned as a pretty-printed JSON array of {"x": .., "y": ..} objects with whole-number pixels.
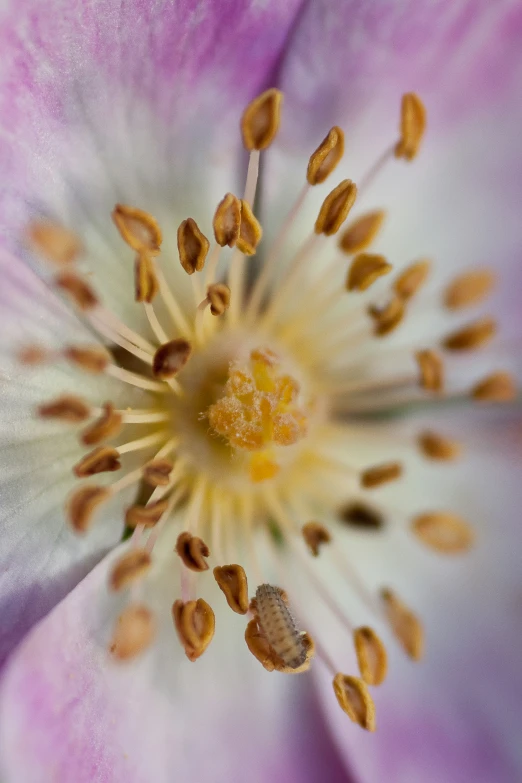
[{"x": 68, "y": 713}]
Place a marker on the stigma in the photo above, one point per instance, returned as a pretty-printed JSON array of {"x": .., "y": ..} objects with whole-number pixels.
[{"x": 251, "y": 400}]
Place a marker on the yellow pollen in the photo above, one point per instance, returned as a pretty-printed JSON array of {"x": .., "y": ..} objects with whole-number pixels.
[{"x": 260, "y": 412}]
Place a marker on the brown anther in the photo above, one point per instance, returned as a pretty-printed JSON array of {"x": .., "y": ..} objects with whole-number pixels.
[
  {"x": 315, "y": 535},
  {"x": 412, "y": 278},
  {"x": 355, "y": 700},
  {"x": 33, "y": 355},
  {"x": 360, "y": 515},
  {"x": 134, "y": 632},
  {"x": 170, "y": 358},
  {"x": 192, "y": 246},
  {"x": 472, "y": 336},
  {"x": 192, "y": 551},
  {"x": 82, "y": 504},
  {"x": 195, "y": 623},
  {"x": 387, "y": 318},
  {"x": 233, "y": 582},
  {"x": 413, "y": 125},
  {"x": 335, "y": 208},
  {"x": 444, "y": 532},
  {"x": 261, "y": 649},
  {"x": 406, "y": 627},
  {"x": 438, "y": 447},
  {"x": 469, "y": 289},
  {"x": 326, "y": 157},
  {"x": 431, "y": 370},
  {"x": 77, "y": 289},
  {"x": 250, "y": 231},
  {"x": 102, "y": 459},
  {"x": 65, "y": 408},
  {"x": 146, "y": 285},
  {"x": 129, "y": 568},
  {"x": 498, "y": 387},
  {"x": 218, "y": 295},
  {"x": 147, "y": 516},
  {"x": 371, "y": 655},
  {"x": 365, "y": 269},
  {"x": 107, "y": 426},
  {"x": 157, "y": 472},
  {"x": 54, "y": 242},
  {"x": 93, "y": 359},
  {"x": 227, "y": 220},
  {"x": 260, "y": 120},
  {"x": 137, "y": 228},
  {"x": 360, "y": 234},
  {"x": 380, "y": 474}
]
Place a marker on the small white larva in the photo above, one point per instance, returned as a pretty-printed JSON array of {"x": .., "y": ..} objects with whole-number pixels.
[{"x": 279, "y": 626}]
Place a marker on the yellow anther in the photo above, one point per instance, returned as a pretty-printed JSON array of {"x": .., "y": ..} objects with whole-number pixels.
[
  {"x": 412, "y": 278},
  {"x": 137, "y": 228},
  {"x": 260, "y": 120},
  {"x": 326, "y": 157},
  {"x": 413, "y": 126},
  {"x": 498, "y": 387},
  {"x": 147, "y": 515},
  {"x": 250, "y": 231},
  {"x": 355, "y": 700},
  {"x": 381, "y": 474},
  {"x": 371, "y": 655},
  {"x": 360, "y": 234},
  {"x": 157, "y": 472},
  {"x": 218, "y": 295},
  {"x": 54, "y": 242},
  {"x": 438, "y": 447},
  {"x": 195, "y": 623},
  {"x": 82, "y": 504},
  {"x": 444, "y": 532},
  {"x": 192, "y": 551},
  {"x": 102, "y": 459},
  {"x": 335, "y": 208},
  {"x": 107, "y": 426},
  {"x": 192, "y": 246},
  {"x": 233, "y": 582},
  {"x": 404, "y": 624},
  {"x": 387, "y": 318},
  {"x": 227, "y": 220},
  {"x": 146, "y": 285},
  {"x": 475, "y": 335},
  {"x": 129, "y": 568},
  {"x": 431, "y": 370},
  {"x": 469, "y": 289},
  {"x": 365, "y": 269},
  {"x": 134, "y": 632},
  {"x": 315, "y": 535}
]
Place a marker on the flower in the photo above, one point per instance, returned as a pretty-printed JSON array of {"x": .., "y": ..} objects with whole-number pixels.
[{"x": 234, "y": 400}]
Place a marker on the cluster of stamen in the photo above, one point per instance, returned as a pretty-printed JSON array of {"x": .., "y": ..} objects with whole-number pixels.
[{"x": 261, "y": 409}]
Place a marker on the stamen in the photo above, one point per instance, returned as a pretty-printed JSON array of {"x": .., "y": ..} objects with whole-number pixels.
[
  {"x": 107, "y": 426},
  {"x": 371, "y": 655},
  {"x": 227, "y": 221},
  {"x": 137, "y": 228},
  {"x": 413, "y": 125},
  {"x": 498, "y": 387},
  {"x": 170, "y": 358},
  {"x": 232, "y": 581},
  {"x": 469, "y": 289},
  {"x": 157, "y": 472},
  {"x": 91, "y": 359},
  {"x": 315, "y": 535},
  {"x": 387, "y": 318},
  {"x": 66, "y": 408},
  {"x": 192, "y": 551},
  {"x": 54, "y": 242},
  {"x": 134, "y": 632},
  {"x": 195, "y": 623},
  {"x": 147, "y": 515},
  {"x": 404, "y": 624},
  {"x": 335, "y": 208},
  {"x": 250, "y": 231},
  {"x": 82, "y": 504},
  {"x": 444, "y": 532},
  {"x": 33, "y": 355},
  {"x": 146, "y": 285},
  {"x": 326, "y": 157},
  {"x": 412, "y": 278},
  {"x": 359, "y": 515},
  {"x": 260, "y": 120},
  {"x": 129, "y": 568},
  {"x": 365, "y": 269},
  {"x": 472, "y": 336},
  {"x": 360, "y": 234},
  {"x": 102, "y": 459},
  {"x": 77, "y": 289},
  {"x": 431, "y": 370},
  {"x": 218, "y": 296},
  {"x": 192, "y": 246},
  {"x": 436, "y": 446},
  {"x": 355, "y": 700},
  {"x": 381, "y": 474}
]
